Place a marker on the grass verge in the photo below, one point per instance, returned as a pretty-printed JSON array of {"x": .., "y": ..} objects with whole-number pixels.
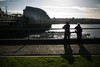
[{"x": 48, "y": 62}]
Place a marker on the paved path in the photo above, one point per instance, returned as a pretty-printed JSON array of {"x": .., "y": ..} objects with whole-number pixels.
[{"x": 42, "y": 50}]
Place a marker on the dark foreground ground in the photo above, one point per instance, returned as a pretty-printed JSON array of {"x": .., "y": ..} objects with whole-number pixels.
[
  {"x": 47, "y": 41},
  {"x": 49, "y": 47},
  {"x": 50, "y": 53}
]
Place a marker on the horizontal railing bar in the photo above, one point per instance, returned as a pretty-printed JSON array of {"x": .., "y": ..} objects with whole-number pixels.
[{"x": 39, "y": 28}]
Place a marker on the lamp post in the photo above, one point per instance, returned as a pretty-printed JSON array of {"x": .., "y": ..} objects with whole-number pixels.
[{"x": 6, "y": 9}]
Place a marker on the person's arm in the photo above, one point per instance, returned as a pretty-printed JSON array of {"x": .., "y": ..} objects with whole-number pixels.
[
  {"x": 75, "y": 29},
  {"x": 64, "y": 26}
]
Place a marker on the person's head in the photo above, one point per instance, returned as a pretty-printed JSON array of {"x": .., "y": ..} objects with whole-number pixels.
[
  {"x": 78, "y": 24},
  {"x": 67, "y": 23}
]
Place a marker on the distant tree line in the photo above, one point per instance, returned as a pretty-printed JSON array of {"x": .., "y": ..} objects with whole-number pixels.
[
  {"x": 85, "y": 21},
  {"x": 76, "y": 20}
]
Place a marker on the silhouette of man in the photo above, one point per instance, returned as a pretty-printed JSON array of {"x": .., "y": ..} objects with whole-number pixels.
[
  {"x": 78, "y": 32},
  {"x": 67, "y": 31}
]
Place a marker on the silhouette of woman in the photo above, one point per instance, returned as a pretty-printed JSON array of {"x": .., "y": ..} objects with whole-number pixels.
[{"x": 67, "y": 31}]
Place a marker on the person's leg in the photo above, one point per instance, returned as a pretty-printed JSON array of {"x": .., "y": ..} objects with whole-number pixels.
[
  {"x": 65, "y": 36},
  {"x": 68, "y": 36},
  {"x": 79, "y": 38}
]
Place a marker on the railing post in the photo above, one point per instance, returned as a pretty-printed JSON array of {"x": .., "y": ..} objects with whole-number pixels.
[{"x": 28, "y": 34}]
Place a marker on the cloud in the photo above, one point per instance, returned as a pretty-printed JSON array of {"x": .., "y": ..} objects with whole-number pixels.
[
  {"x": 72, "y": 7},
  {"x": 98, "y": 5},
  {"x": 65, "y": 14},
  {"x": 86, "y": 9},
  {"x": 73, "y": 11},
  {"x": 2, "y": 0}
]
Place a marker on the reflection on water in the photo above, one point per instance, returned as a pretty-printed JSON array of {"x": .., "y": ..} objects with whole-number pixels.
[
  {"x": 61, "y": 25},
  {"x": 56, "y": 31},
  {"x": 90, "y": 31},
  {"x": 73, "y": 25}
]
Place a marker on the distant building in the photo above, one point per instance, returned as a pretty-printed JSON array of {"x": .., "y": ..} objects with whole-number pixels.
[
  {"x": 16, "y": 15},
  {"x": 1, "y": 12},
  {"x": 5, "y": 17},
  {"x": 36, "y": 18},
  {"x": 36, "y": 15}
]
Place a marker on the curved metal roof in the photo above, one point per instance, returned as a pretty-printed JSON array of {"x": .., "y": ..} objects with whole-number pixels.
[{"x": 36, "y": 15}]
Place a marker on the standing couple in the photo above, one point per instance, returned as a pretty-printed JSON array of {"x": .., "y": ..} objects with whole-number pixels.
[{"x": 78, "y": 31}]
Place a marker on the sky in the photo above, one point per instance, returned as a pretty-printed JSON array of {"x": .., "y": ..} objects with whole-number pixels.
[{"x": 57, "y": 8}]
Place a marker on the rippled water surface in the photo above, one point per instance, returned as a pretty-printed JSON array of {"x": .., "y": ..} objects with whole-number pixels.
[{"x": 90, "y": 30}]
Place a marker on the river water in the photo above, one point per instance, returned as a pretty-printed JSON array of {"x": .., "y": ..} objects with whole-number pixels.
[{"x": 89, "y": 30}]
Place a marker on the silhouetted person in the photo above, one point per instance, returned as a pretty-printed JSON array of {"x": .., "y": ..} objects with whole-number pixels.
[
  {"x": 82, "y": 51},
  {"x": 68, "y": 51},
  {"x": 78, "y": 32},
  {"x": 67, "y": 31}
]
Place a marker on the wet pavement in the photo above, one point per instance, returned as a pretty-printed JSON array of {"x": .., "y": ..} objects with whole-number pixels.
[{"x": 57, "y": 49}]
